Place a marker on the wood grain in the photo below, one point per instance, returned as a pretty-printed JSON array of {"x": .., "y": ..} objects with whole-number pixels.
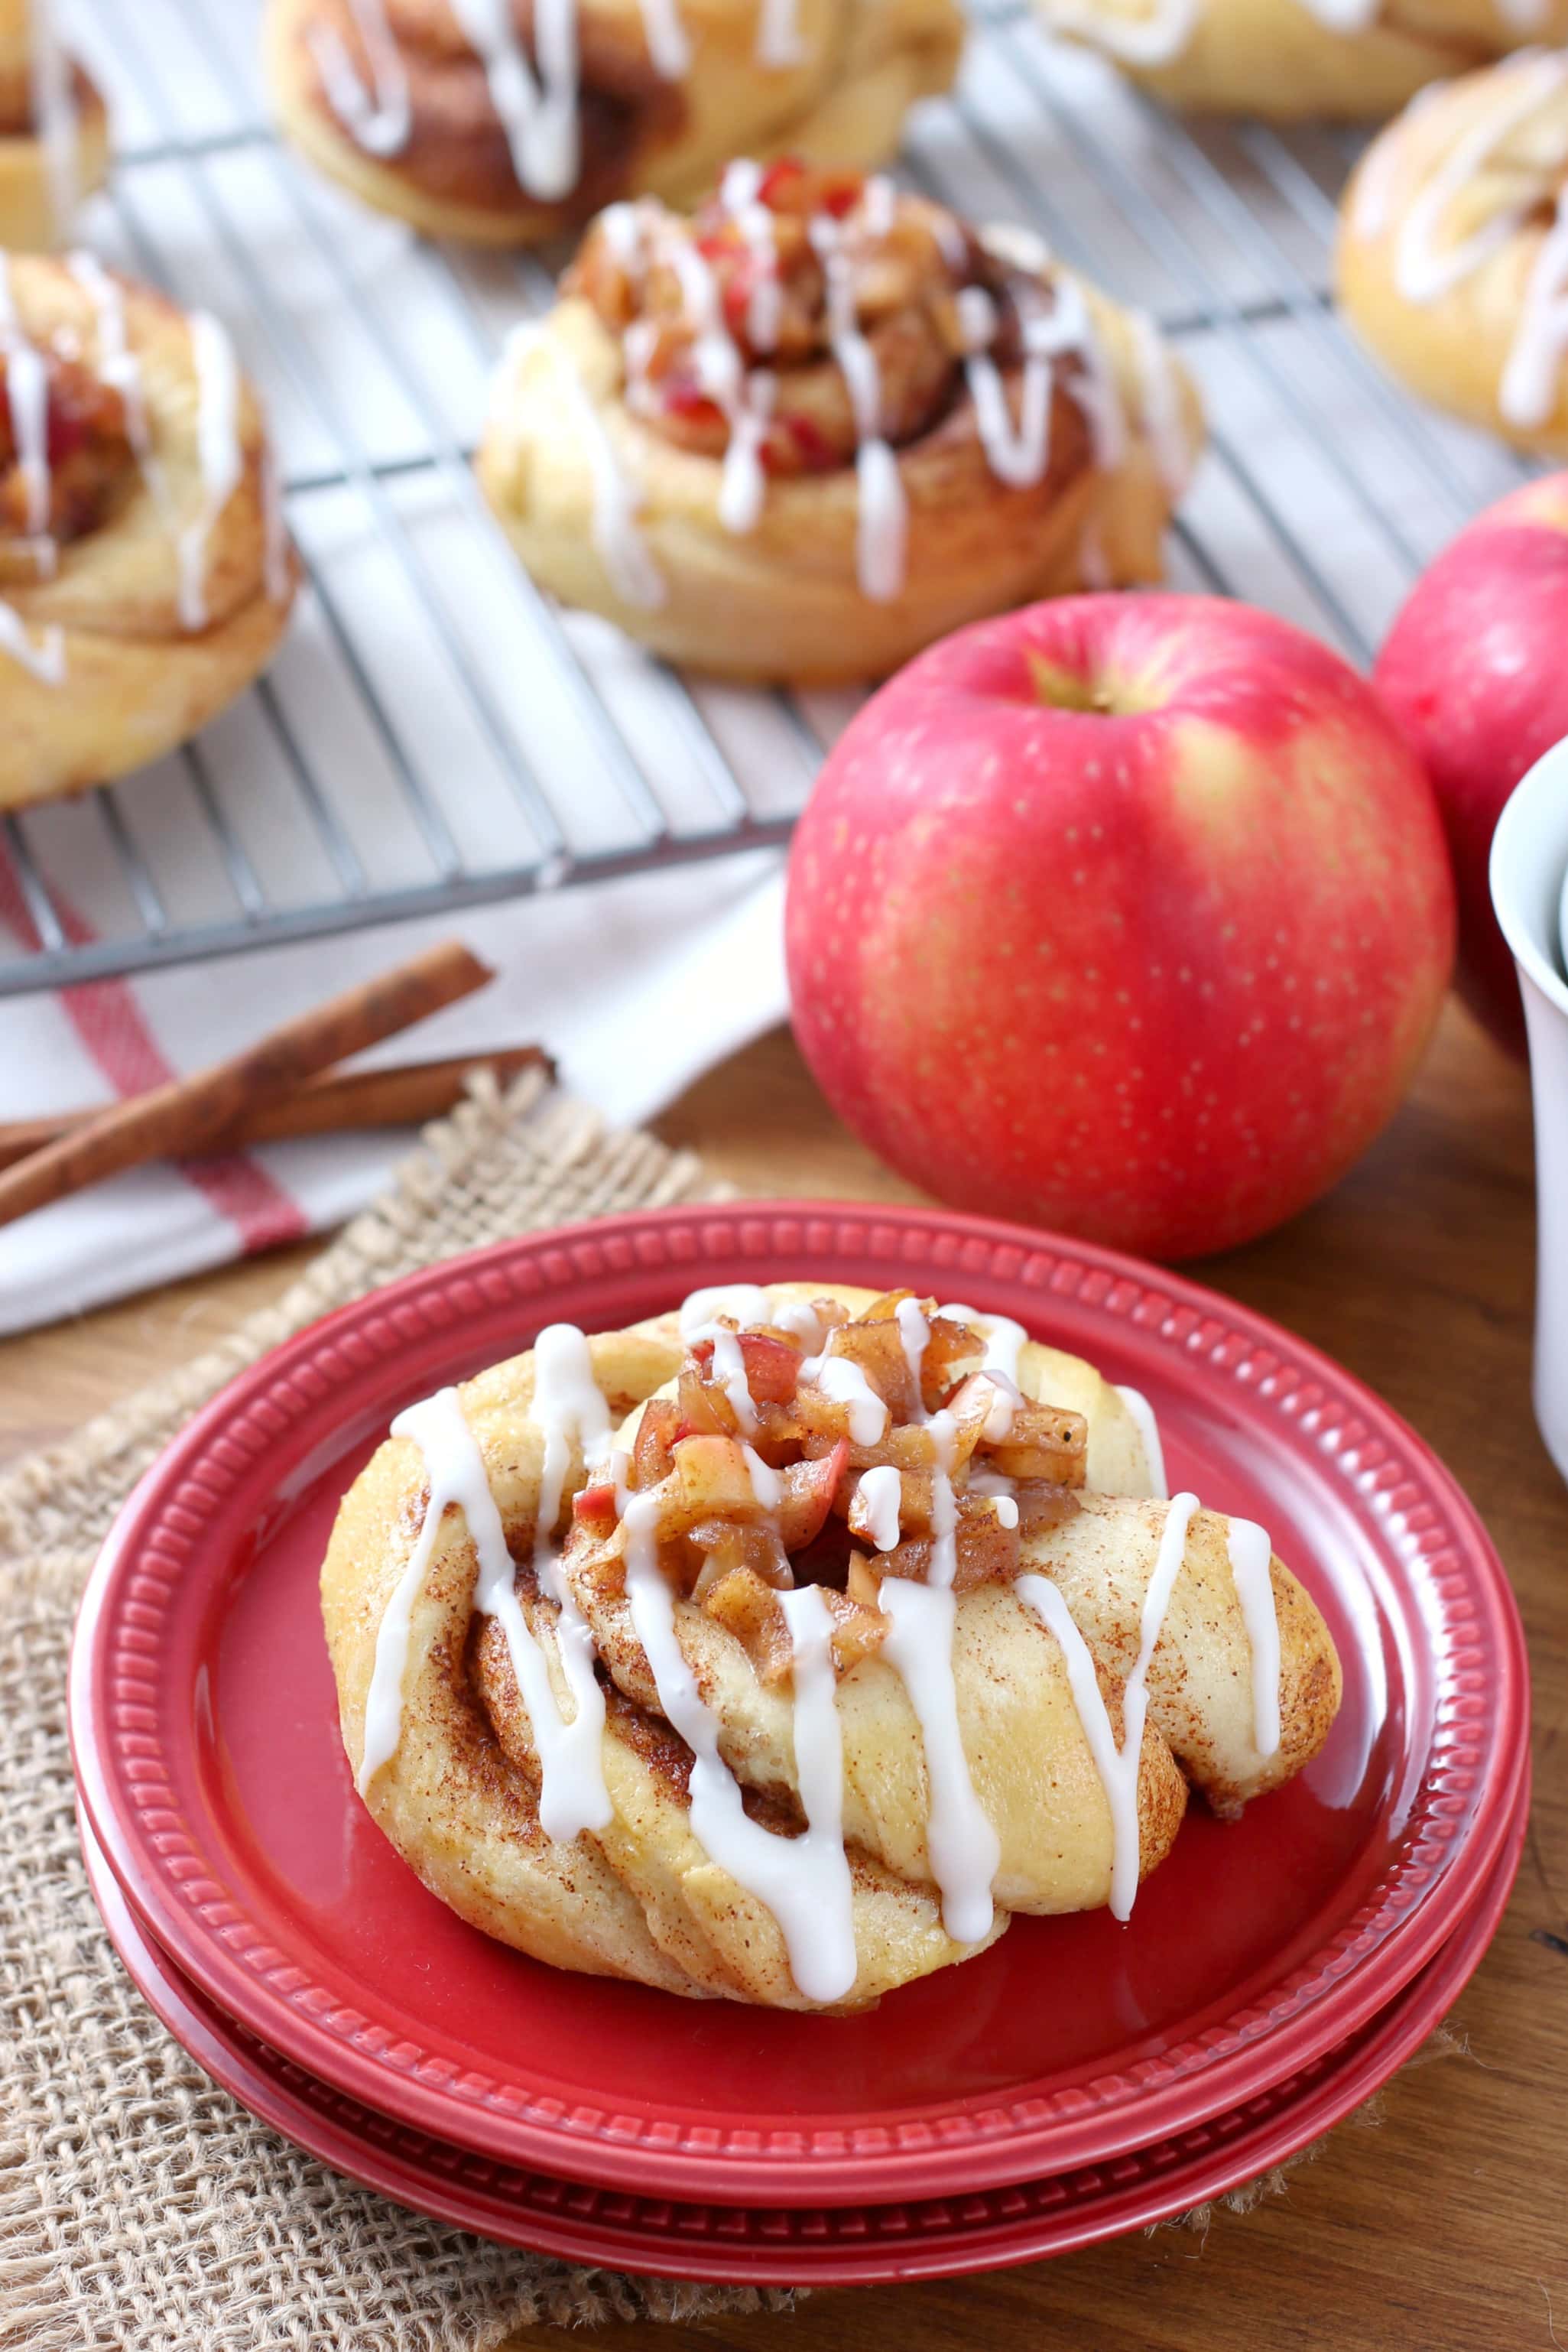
[{"x": 1441, "y": 2228}]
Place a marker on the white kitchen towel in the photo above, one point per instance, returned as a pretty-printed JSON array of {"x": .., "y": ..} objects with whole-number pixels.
[{"x": 636, "y": 987}]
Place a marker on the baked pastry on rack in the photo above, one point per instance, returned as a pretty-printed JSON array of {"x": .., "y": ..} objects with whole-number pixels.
[
  {"x": 1286, "y": 60},
  {"x": 806, "y": 432},
  {"x": 868, "y": 1627},
  {"x": 505, "y": 121},
  {"x": 1452, "y": 260},
  {"x": 54, "y": 130},
  {"x": 145, "y": 576}
]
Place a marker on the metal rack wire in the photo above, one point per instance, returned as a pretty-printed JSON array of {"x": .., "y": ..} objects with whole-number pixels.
[{"x": 434, "y": 733}]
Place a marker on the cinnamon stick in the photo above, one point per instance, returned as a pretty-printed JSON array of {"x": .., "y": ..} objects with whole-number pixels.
[
  {"x": 404, "y": 1094},
  {"x": 186, "y": 1117}
]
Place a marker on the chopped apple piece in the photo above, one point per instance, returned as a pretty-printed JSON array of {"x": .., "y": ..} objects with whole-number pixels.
[
  {"x": 748, "y": 1609},
  {"x": 652, "y": 1456},
  {"x": 1044, "y": 1442},
  {"x": 712, "y": 1479}
]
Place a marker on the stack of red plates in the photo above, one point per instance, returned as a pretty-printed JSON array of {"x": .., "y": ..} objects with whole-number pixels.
[{"x": 1079, "y": 2079}]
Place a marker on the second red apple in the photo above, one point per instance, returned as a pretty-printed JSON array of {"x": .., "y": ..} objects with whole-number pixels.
[{"x": 1476, "y": 670}]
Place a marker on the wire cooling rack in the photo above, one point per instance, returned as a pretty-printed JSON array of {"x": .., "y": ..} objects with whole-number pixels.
[{"x": 434, "y": 732}]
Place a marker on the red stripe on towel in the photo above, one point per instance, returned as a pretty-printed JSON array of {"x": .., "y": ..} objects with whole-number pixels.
[{"x": 111, "y": 1026}]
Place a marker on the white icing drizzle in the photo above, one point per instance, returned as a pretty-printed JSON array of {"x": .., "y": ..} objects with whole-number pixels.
[
  {"x": 743, "y": 1302},
  {"x": 1252, "y": 1556},
  {"x": 1007, "y": 1511},
  {"x": 745, "y": 399},
  {"x": 55, "y": 114},
  {"x": 840, "y": 1378},
  {"x": 572, "y": 1795},
  {"x": 728, "y": 1371},
  {"x": 1118, "y": 1766},
  {"x": 879, "y": 204},
  {"x": 43, "y": 657},
  {"x": 739, "y": 193},
  {"x": 567, "y": 1405},
  {"x": 1165, "y": 30},
  {"x": 379, "y": 119},
  {"x": 668, "y": 47},
  {"x": 218, "y": 457},
  {"x": 804, "y": 1881},
  {"x": 118, "y": 364},
  {"x": 1383, "y": 167},
  {"x": 916, "y": 1333},
  {"x": 537, "y": 104},
  {"x": 1153, "y": 39},
  {"x": 1142, "y": 1412},
  {"x": 1422, "y": 272},
  {"x": 964, "y": 1848},
  {"x": 880, "y": 1490},
  {"x": 883, "y": 524},
  {"x": 624, "y": 228},
  {"x": 779, "y": 42},
  {"x": 619, "y": 543},
  {"x": 766, "y": 1482},
  {"x": 1005, "y": 1340},
  {"x": 746, "y": 1304},
  {"x": 27, "y": 394},
  {"x": 1528, "y": 394}
]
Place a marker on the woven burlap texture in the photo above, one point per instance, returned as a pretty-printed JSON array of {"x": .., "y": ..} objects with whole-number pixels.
[{"x": 141, "y": 2208}]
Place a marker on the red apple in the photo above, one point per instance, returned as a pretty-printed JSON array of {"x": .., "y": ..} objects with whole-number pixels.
[
  {"x": 1128, "y": 915},
  {"x": 1476, "y": 670}
]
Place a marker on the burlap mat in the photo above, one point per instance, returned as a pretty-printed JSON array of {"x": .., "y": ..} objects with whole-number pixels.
[{"x": 140, "y": 2206}]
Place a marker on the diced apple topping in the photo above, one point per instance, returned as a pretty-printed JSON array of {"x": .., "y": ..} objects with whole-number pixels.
[{"x": 740, "y": 1516}]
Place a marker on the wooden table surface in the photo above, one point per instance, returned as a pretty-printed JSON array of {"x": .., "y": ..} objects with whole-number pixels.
[{"x": 1444, "y": 2227}]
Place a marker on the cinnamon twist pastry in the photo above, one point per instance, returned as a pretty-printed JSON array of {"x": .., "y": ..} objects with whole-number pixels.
[
  {"x": 54, "y": 130},
  {"x": 819, "y": 424},
  {"x": 794, "y": 1687},
  {"x": 1452, "y": 260},
  {"x": 505, "y": 121},
  {"x": 144, "y": 572},
  {"x": 1349, "y": 60}
]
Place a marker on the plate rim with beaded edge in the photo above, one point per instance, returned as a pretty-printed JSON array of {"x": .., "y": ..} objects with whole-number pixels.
[
  {"x": 857, "y": 2245},
  {"x": 1433, "y": 1628}
]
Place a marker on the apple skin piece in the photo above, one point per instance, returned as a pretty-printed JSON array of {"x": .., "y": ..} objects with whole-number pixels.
[
  {"x": 1476, "y": 670},
  {"x": 1125, "y": 915}
]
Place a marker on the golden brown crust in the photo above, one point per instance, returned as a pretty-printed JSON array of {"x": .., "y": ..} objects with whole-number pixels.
[
  {"x": 137, "y": 677},
  {"x": 30, "y": 219},
  {"x": 782, "y": 601},
  {"x": 639, "y": 1897},
  {"x": 1280, "y": 60},
  {"x": 1452, "y": 346},
  {"x": 863, "y": 64}
]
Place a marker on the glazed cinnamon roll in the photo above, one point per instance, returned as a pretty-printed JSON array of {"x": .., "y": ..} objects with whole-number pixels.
[
  {"x": 54, "y": 130},
  {"x": 780, "y": 1651},
  {"x": 1452, "y": 260},
  {"x": 820, "y": 424},
  {"x": 504, "y": 122},
  {"x": 144, "y": 574},
  {"x": 1349, "y": 60}
]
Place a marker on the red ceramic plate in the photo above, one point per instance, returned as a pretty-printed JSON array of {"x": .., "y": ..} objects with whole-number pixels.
[
  {"x": 853, "y": 2246},
  {"x": 208, "y": 1757}
]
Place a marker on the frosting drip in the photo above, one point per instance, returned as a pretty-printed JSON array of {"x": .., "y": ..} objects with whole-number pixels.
[{"x": 572, "y": 1795}]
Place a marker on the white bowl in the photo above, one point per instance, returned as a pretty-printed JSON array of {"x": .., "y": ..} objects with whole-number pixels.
[{"x": 1529, "y": 891}]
